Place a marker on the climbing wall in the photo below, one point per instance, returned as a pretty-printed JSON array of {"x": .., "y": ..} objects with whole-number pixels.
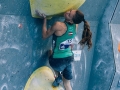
[
  {"x": 103, "y": 66},
  {"x": 22, "y": 49},
  {"x": 115, "y": 30}
]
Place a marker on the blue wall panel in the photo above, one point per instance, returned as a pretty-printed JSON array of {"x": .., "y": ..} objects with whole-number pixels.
[{"x": 103, "y": 66}]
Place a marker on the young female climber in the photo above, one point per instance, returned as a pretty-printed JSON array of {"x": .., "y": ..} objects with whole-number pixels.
[{"x": 63, "y": 34}]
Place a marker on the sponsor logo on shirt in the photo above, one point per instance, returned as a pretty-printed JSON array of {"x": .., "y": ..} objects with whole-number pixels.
[{"x": 65, "y": 44}]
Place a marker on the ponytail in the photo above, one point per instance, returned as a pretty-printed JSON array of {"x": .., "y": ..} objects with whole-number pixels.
[{"x": 87, "y": 35}]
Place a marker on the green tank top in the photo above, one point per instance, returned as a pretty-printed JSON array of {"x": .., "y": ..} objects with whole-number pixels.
[{"x": 61, "y": 44}]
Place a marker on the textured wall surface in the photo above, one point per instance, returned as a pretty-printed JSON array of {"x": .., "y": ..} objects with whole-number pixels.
[
  {"x": 115, "y": 29},
  {"x": 103, "y": 65},
  {"x": 22, "y": 49}
]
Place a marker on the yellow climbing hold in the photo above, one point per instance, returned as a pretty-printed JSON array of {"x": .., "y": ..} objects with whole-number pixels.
[
  {"x": 53, "y": 7},
  {"x": 42, "y": 79}
]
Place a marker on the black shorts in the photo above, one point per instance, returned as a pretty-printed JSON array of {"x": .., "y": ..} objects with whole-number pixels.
[{"x": 62, "y": 65}]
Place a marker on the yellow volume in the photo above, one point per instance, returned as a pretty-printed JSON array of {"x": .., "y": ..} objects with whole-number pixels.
[{"x": 53, "y": 7}]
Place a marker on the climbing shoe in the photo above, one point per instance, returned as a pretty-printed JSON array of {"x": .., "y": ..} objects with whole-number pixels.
[{"x": 57, "y": 81}]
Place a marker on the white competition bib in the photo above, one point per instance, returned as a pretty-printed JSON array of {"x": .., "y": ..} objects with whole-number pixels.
[{"x": 77, "y": 55}]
